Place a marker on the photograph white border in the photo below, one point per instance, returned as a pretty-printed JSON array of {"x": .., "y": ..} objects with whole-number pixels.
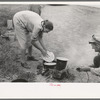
[{"x": 50, "y": 90}]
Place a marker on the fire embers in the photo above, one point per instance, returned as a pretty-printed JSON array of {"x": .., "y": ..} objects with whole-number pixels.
[
  {"x": 60, "y": 71},
  {"x": 60, "y": 74},
  {"x": 54, "y": 70},
  {"x": 54, "y": 73}
]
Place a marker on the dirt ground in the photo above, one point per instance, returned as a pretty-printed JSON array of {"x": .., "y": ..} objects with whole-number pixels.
[{"x": 73, "y": 28}]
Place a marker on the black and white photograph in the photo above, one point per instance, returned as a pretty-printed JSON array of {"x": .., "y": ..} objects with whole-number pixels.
[
  {"x": 58, "y": 43},
  {"x": 49, "y": 50}
]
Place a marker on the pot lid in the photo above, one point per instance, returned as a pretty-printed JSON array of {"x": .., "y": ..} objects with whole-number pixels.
[{"x": 62, "y": 58}]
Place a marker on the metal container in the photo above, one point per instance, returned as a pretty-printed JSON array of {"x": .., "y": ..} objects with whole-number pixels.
[
  {"x": 61, "y": 63},
  {"x": 51, "y": 65}
]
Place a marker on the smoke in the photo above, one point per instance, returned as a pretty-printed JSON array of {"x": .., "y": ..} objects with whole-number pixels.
[{"x": 73, "y": 28}]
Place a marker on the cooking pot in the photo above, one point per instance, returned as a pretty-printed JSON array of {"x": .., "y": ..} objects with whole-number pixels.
[
  {"x": 51, "y": 65},
  {"x": 61, "y": 63}
]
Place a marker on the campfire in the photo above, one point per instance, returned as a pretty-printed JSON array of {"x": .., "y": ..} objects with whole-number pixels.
[{"x": 56, "y": 69}]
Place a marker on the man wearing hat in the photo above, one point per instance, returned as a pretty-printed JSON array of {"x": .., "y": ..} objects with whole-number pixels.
[
  {"x": 95, "y": 43},
  {"x": 95, "y": 69}
]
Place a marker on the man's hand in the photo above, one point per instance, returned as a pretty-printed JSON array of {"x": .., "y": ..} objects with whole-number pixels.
[
  {"x": 83, "y": 69},
  {"x": 44, "y": 53}
]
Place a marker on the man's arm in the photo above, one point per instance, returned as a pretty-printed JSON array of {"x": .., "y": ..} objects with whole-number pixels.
[
  {"x": 36, "y": 43},
  {"x": 38, "y": 46},
  {"x": 35, "y": 33},
  {"x": 95, "y": 71},
  {"x": 42, "y": 43}
]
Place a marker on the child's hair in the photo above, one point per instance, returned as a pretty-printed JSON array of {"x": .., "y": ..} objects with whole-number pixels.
[{"x": 48, "y": 24}]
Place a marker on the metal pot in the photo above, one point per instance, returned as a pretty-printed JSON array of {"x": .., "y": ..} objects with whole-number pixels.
[
  {"x": 61, "y": 63},
  {"x": 51, "y": 65}
]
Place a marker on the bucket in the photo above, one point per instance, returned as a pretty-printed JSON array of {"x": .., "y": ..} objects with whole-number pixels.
[
  {"x": 61, "y": 63},
  {"x": 51, "y": 65}
]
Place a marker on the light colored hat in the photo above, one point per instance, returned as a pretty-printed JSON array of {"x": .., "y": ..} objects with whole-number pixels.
[{"x": 95, "y": 39}]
